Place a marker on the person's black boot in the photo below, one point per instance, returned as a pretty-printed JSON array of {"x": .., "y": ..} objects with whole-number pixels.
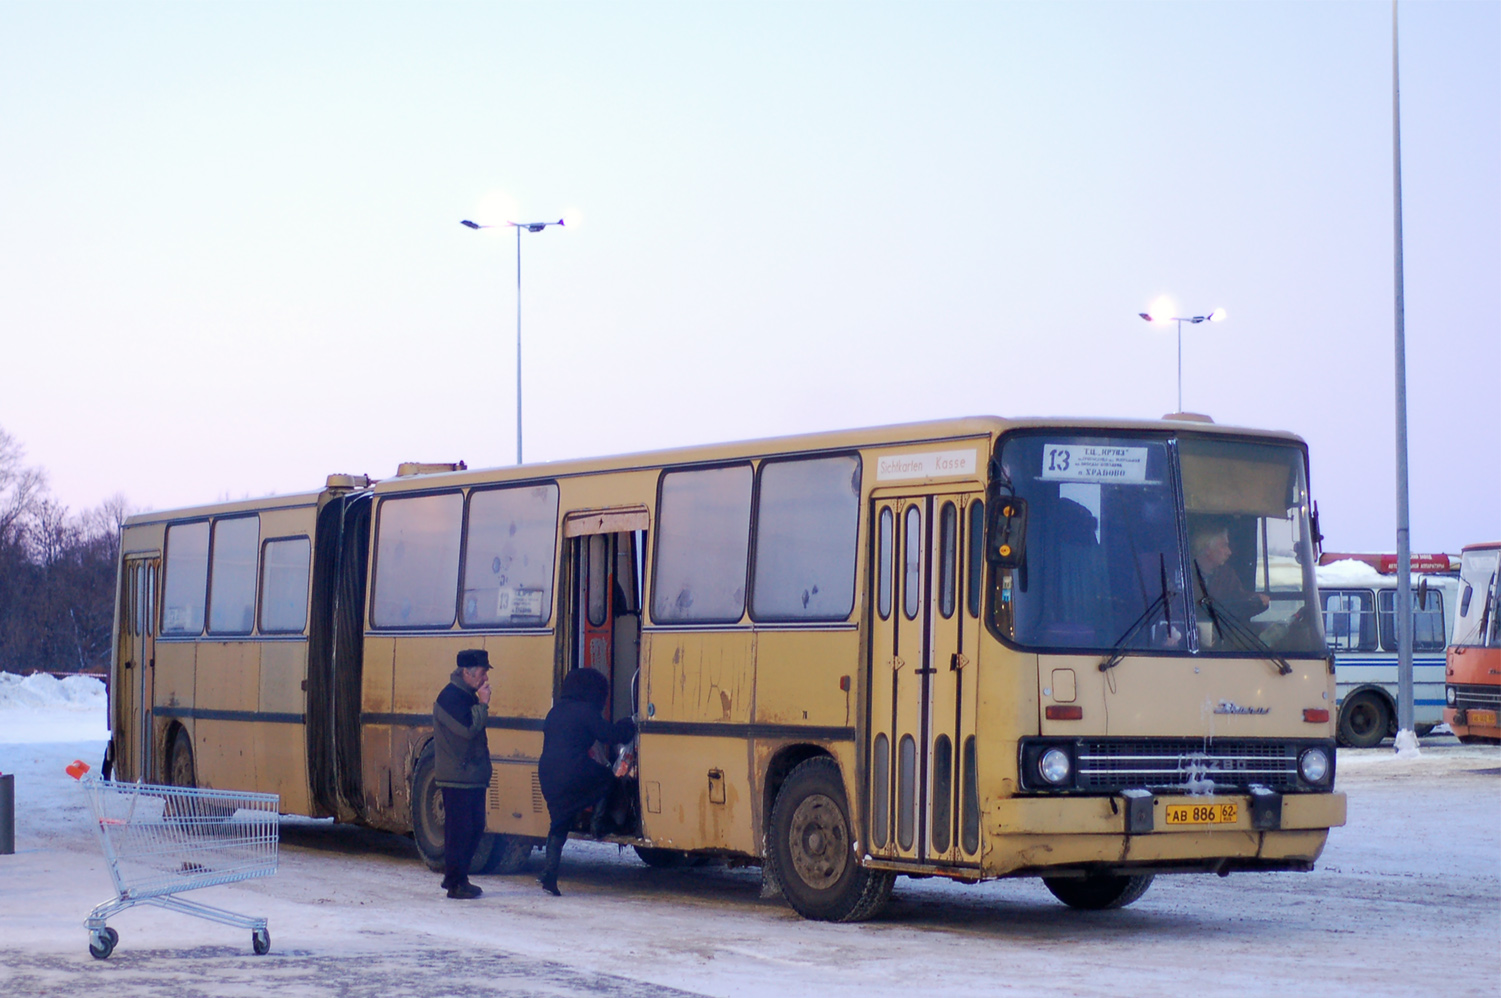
[
  {"x": 549, "y": 878},
  {"x": 463, "y": 890}
]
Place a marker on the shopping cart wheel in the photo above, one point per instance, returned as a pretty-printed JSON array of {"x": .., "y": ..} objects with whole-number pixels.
[
  {"x": 102, "y": 942},
  {"x": 260, "y": 941}
]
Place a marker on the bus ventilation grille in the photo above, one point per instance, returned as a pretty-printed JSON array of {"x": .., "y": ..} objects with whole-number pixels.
[
  {"x": 539, "y": 804},
  {"x": 1190, "y": 765},
  {"x": 1472, "y": 695}
]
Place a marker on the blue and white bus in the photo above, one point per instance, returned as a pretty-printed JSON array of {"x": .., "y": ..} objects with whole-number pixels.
[{"x": 1358, "y": 604}]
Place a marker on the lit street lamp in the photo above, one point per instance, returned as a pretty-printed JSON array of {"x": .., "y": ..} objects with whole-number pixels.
[
  {"x": 529, "y": 227},
  {"x": 1162, "y": 310}
]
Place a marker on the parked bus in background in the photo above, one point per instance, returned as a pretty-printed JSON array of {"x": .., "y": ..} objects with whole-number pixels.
[
  {"x": 1358, "y": 599},
  {"x": 1084, "y": 651},
  {"x": 1473, "y": 676}
]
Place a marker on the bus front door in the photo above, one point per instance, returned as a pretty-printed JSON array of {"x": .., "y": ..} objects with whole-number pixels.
[
  {"x": 922, "y": 677},
  {"x": 131, "y": 723}
]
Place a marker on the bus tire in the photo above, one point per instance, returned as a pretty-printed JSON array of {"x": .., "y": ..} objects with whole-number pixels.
[
  {"x": 812, "y": 848},
  {"x": 427, "y": 809},
  {"x": 180, "y": 769},
  {"x": 1364, "y": 720},
  {"x": 1423, "y": 730},
  {"x": 1098, "y": 892}
]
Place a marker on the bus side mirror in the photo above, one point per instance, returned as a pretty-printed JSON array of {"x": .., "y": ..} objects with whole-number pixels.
[
  {"x": 1006, "y": 534},
  {"x": 1423, "y": 593}
]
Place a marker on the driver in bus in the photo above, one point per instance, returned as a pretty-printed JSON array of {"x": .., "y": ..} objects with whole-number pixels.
[{"x": 1211, "y": 550}]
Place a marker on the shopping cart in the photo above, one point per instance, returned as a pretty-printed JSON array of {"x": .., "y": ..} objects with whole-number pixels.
[{"x": 161, "y": 841}]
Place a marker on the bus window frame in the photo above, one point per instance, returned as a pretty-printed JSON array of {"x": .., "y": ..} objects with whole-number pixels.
[
  {"x": 208, "y": 598},
  {"x": 260, "y": 590},
  {"x": 558, "y": 519},
  {"x": 184, "y": 635},
  {"x": 753, "y": 551},
  {"x": 374, "y": 569},
  {"x": 649, "y": 598}
]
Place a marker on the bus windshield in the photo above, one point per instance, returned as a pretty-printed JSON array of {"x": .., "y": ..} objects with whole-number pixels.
[
  {"x": 1479, "y": 623},
  {"x": 1186, "y": 545}
]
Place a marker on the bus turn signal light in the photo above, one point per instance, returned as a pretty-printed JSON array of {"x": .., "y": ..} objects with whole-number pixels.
[
  {"x": 1064, "y": 712},
  {"x": 1316, "y": 715}
]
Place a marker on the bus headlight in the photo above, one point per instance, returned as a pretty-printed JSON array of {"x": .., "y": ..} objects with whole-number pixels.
[
  {"x": 1054, "y": 766},
  {"x": 1313, "y": 765},
  {"x": 1449, "y": 695}
]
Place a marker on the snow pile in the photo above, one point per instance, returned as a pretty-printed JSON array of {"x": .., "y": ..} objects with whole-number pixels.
[
  {"x": 1407, "y": 745},
  {"x": 1350, "y": 572},
  {"x": 42, "y": 690},
  {"x": 41, "y": 708}
]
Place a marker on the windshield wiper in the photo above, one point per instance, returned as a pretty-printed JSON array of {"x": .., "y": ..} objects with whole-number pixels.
[
  {"x": 1227, "y": 624},
  {"x": 1118, "y": 650}
]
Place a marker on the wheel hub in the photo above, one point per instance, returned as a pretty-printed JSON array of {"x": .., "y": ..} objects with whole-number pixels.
[{"x": 819, "y": 841}]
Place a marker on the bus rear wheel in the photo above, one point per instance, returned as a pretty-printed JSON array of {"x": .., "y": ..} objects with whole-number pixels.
[
  {"x": 1364, "y": 720},
  {"x": 813, "y": 852},
  {"x": 1098, "y": 892},
  {"x": 494, "y": 854}
]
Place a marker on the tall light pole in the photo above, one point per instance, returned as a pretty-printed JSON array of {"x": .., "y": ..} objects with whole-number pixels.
[
  {"x": 519, "y": 227},
  {"x": 1161, "y": 312}
]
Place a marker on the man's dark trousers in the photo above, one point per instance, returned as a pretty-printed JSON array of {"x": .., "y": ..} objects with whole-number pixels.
[{"x": 463, "y": 824}]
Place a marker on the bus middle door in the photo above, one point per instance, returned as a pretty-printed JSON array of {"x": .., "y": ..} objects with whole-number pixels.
[{"x": 922, "y": 686}]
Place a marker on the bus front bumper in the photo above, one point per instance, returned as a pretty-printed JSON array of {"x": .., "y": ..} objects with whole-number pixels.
[{"x": 1138, "y": 830}]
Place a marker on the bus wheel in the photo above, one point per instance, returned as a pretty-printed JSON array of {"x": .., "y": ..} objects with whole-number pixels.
[
  {"x": 1423, "y": 730},
  {"x": 427, "y": 810},
  {"x": 1098, "y": 892},
  {"x": 812, "y": 848},
  {"x": 180, "y": 769},
  {"x": 503, "y": 854},
  {"x": 1363, "y": 720}
]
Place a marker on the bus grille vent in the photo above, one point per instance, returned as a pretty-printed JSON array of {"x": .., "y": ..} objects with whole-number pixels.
[
  {"x": 1191, "y": 765},
  {"x": 1473, "y": 695},
  {"x": 539, "y": 805}
]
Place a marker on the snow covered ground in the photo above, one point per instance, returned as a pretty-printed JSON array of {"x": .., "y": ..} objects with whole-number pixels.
[{"x": 1406, "y": 900}]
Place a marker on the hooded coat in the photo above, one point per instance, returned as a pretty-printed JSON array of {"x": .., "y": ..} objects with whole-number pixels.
[
  {"x": 462, "y": 752},
  {"x": 571, "y": 781}
]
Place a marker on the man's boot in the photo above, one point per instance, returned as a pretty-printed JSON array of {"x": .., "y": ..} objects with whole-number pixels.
[{"x": 549, "y": 878}]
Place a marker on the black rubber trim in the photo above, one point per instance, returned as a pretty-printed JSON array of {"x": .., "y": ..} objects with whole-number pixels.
[
  {"x": 207, "y": 714},
  {"x": 426, "y": 721},
  {"x": 713, "y": 729}
]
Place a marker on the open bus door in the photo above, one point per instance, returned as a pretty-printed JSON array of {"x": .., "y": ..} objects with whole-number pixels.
[{"x": 132, "y": 688}]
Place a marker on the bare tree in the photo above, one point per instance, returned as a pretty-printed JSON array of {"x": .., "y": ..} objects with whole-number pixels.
[{"x": 21, "y": 488}]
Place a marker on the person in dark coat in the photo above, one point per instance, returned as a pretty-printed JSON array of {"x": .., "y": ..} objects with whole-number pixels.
[
  {"x": 571, "y": 781},
  {"x": 462, "y": 766}
]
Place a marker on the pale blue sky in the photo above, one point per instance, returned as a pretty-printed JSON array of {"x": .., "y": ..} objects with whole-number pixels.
[{"x": 230, "y": 257}]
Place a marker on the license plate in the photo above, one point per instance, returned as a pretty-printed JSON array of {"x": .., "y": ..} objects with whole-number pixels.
[
  {"x": 1201, "y": 814},
  {"x": 1482, "y": 718}
]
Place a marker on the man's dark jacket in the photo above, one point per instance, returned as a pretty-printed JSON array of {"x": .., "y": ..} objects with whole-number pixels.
[
  {"x": 462, "y": 751},
  {"x": 571, "y": 781}
]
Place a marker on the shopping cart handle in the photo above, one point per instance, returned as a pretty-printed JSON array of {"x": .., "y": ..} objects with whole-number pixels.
[{"x": 77, "y": 768}]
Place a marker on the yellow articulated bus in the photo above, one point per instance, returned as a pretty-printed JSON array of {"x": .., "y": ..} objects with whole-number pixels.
[{"x": 1082, "y": 650}]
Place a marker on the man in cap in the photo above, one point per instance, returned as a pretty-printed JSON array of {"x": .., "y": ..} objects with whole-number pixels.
[{"x": 463, "y": 766}]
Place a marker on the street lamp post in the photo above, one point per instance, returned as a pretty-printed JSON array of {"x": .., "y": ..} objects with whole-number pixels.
[
  {"x": 519, "y": 227},
  {"x": 1159, "y": 315}
]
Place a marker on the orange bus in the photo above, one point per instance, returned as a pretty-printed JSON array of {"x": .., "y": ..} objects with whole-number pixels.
[{"x": 1472, "y": 674}]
